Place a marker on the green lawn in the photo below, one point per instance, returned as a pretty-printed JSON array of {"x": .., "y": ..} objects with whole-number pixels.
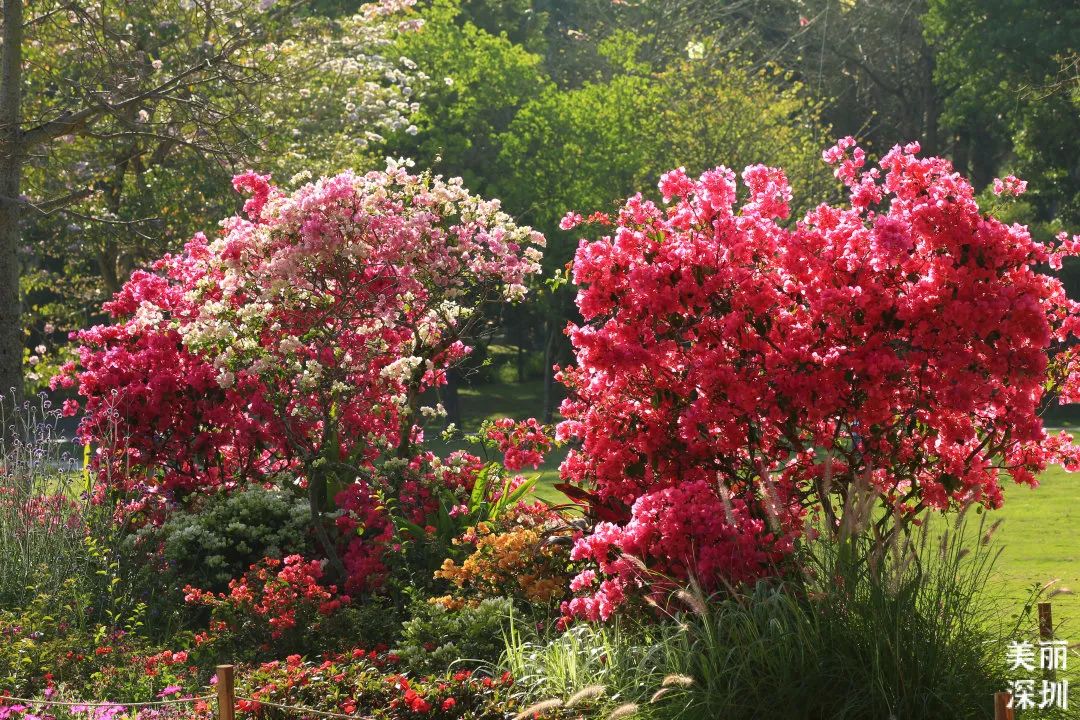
[
  {"x": 1041, "y": 541},
  {"x": 1039, "y": 538}
]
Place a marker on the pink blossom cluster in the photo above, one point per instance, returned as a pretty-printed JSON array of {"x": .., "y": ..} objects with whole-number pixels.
[
  {"x": 1009, "y": 185},
  {"x": 521, "y": 442},
  {"x": 735, "y": 370},
  {"x": 306, "y": 332}
]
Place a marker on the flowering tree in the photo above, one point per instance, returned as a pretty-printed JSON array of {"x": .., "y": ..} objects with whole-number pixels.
[
  {"x": 299, "y": 343},
  {"x": 734, "y": 371}
]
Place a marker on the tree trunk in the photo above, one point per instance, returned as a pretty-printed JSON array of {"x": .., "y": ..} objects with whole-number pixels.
[
  {"x": 451, "y": 399},
  {"x": 11, "y": 161},
  {"x": 549, "y": 372}
]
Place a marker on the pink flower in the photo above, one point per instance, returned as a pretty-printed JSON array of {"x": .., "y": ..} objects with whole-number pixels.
[
  {"x": 570, "y": 221},
  {"x": 1010, "y": 185},
  {"x": 212, "y": 384}
]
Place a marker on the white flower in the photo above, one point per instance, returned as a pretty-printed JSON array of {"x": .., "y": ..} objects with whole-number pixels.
[
  {"x": 401, "y": 368},
  {"x": 289, "y": 344}
]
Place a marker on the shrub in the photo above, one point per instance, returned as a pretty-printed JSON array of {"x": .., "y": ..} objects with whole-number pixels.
[
  {"x": 219, "y": 540},
  {"x": 369, "y": 684},
  {"x": 275, "y": 601},
  {"x": 435, "y": 638},
  {"x": 299, "y": 342},
  {"x": 734, "y": 369},
  {"x": 509, "y": 559}
]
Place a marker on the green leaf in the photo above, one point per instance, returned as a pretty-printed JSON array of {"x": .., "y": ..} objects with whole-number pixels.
[{"x": 480, "y": 486}]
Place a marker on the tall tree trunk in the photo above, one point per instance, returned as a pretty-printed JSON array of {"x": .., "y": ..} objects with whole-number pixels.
[
  {"x": 548, "y": 412},
  {"x": 11, "y": 161},
  {"x": 931, "y": 102}
]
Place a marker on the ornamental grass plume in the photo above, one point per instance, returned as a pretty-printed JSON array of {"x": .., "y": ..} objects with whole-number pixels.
[
  {"x": 623, "y": 711},
  {"x": 539, "y": 708},
  {"x": 589, "y": 692}
]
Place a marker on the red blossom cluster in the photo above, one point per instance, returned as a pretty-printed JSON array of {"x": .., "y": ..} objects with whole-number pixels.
[
  {"x": 365, "y": 682},
  {"x": 735, "y": 369},
  {"x": 274, "y": 592},
  {"x": 521, "y": 442}
]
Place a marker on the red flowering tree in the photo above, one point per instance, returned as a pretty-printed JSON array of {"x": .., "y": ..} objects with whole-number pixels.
[
  {"x": 735, "y": 370},
  {"x": 298, "y": 343}
]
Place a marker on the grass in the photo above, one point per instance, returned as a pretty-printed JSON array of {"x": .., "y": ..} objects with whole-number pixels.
[
  {"x": 904, "y": 640},
  {"x": 1041, "y": 542}
]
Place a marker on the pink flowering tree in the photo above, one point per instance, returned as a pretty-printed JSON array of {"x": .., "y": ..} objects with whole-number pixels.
[
  {"x": 298, "y": 344},
  {"x": 736, "y": 370}
]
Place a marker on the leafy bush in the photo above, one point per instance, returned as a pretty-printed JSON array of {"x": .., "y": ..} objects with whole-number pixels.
[
  {"x": 275, "y": 601},
  {"x": 435, "y": 638},
  {"x": 229, "y": 531}
]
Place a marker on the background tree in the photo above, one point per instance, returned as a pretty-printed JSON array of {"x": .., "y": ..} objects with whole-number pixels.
[
  {"x": 128, "y": 107},
  {"x": 588, "y": 146}
]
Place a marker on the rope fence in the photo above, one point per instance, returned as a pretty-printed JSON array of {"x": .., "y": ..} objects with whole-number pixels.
[
  {"x": 225, "y": 696},
  {"x": 106, "y": 703},
  {"x": 307, "y": 711}
]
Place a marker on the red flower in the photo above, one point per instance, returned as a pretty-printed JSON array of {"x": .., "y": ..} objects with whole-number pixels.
[{"x": 731, "y": 363}]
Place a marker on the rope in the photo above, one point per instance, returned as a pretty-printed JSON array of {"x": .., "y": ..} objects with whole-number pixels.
[
  {"x": 297, "y": 708},
  {"x": 64, "y": 703}
]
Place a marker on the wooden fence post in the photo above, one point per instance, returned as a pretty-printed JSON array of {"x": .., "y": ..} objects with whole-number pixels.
[
  {"x": 1046, "y": 634},
  {"x": 226, "y": 692},
  {"x": 1002, "y": 711},
  {"x": 1046, "y": 622}
]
